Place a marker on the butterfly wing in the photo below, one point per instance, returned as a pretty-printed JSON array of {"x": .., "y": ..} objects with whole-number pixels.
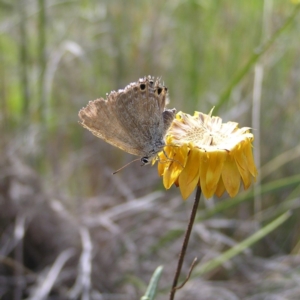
[
  {"x": 140, "y": 111},
  {"x": 168, "y": 117},
  {"x": 133, "y": 119},
  {"x": 99, "y": 118}
]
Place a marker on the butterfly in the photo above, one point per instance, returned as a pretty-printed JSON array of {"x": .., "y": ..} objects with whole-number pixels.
[{"x": 133, "y": 119}]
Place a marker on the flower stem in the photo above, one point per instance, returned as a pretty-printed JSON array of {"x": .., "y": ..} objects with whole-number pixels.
[{"x": 185, "y": 243}]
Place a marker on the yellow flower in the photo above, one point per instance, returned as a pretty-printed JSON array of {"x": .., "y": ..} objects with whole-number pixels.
[{"x": 201, "y": 150}]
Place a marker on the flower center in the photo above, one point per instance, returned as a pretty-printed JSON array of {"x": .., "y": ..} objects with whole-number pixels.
[{"x": 202, "y": 136}]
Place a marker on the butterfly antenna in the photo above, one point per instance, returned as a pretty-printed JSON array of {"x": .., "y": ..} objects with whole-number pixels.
[{"x": 125, "y": 166}]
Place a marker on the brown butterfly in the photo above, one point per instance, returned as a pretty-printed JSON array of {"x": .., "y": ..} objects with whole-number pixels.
[{"x": 134, "y": 119}]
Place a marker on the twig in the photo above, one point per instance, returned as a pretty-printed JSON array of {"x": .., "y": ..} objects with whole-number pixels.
[
  {"x": 83, "y": 282},
  {"x": 188, "y": 276},
  {"x": 46, "y": 284},
  {"x": 185, "y": 243},
  {"x": 18, "y": 237}
]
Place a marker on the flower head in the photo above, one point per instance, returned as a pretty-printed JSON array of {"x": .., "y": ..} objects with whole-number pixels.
[{"x": 201, "y": 150}]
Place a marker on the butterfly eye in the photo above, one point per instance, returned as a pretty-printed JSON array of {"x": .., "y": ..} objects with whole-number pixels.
[
  {"x": 142, "y": 86},
  {"x": 145, "y": 160}
]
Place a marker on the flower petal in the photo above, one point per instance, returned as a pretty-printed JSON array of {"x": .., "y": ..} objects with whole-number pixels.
[
  {"x": 220, "y": 187},
  {"x": 242, "y": 165},
  {"x": 189, "y": 177},
  {"x": 171, "y": 174},
  {"x": 216, "y": 162},
  {"x": 204, "y": 164},
  {"x": 231, "y": 176},
  {"x": 166, "y": 161},
  {"x": 177, "y": 160},
  {"x": 163, "y": 163},
  {"x": 161, "y": 166},
  {"x": 250, "y": 160}
]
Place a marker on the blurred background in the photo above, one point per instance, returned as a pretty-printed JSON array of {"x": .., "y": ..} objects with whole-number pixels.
[{"x": 69, "y": 229}]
